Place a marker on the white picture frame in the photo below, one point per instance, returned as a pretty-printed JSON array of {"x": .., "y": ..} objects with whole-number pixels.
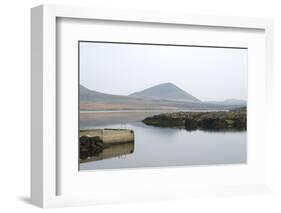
[{"x": 45, "y": 178}]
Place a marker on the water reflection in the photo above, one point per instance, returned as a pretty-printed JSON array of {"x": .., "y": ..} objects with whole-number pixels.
[
  {"x": 160, "y": 146},
  {"x": 157, "y": 147},
  {"x": 111, "y": 151}
]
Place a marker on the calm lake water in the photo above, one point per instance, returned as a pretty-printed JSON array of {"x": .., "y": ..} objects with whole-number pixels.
[{"x": 157, "y": 147}]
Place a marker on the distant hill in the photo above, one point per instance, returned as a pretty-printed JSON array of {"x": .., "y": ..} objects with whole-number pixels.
[
  {"x": 235, "y": 102},
  {"x": 229, "y": 102},
  {"x": 171, "y": 98},
  {"x": 165, "y": 91},
  {"x": 87, "y": 95}
]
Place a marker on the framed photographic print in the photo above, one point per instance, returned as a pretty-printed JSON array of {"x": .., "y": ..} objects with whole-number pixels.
[
  {"x": 149, "y": 106},
  {"x": 134, "y": 114}
]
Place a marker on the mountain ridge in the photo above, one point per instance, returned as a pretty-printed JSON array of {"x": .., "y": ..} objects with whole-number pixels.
[{"x": 94, "y": 100}]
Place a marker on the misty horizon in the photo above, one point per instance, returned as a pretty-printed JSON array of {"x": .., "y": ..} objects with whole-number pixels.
[{"x": 209, "y": 74}]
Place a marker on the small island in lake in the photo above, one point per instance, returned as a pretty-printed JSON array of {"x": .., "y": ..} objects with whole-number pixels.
[{"x": 213, "y": 121}]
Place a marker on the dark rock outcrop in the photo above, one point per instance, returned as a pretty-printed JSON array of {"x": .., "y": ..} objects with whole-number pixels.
[
  {"x": 90, "y": 146},
  {"x": 213, "y": 121}
]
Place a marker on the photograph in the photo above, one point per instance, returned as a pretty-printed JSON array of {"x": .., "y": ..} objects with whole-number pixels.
[{"x": 152, "y": 105}]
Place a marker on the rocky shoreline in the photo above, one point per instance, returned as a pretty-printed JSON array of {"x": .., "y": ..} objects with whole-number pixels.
[{"x": 212, "y": 121}]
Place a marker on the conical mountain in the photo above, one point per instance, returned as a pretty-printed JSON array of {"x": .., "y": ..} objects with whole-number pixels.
[{"x": 165, "y": 91}]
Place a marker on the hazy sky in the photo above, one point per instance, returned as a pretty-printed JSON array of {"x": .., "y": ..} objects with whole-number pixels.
[{"x": 206, "y": 73}]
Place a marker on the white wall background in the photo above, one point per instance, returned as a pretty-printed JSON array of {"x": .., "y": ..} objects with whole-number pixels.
[{"x": 15, "y": 104}]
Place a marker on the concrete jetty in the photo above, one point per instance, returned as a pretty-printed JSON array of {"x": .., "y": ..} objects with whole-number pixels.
[
  {"x": 98, "y": 144},
  {"x": 110, "y": 136}
]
